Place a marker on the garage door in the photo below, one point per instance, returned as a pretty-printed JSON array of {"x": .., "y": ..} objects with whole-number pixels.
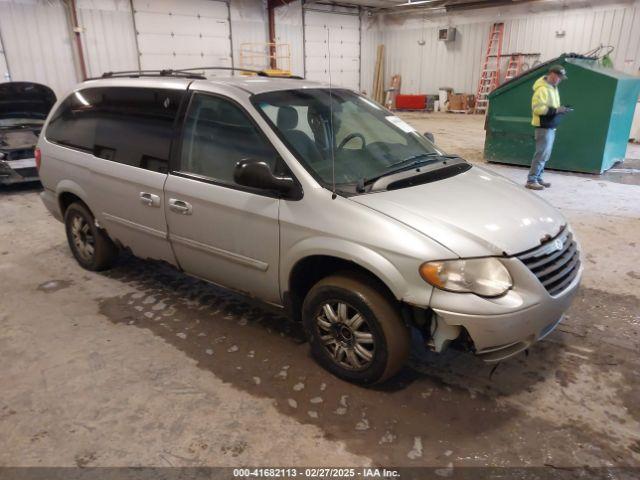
[
  {"x": 337, "y": 34},
  {"x": 189, "y": 33}
]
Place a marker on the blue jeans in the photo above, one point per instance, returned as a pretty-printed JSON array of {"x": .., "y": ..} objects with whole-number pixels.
[{"x": 544, "y": 144}]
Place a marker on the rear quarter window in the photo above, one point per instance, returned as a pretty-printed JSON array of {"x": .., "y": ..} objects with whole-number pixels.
[
  {"x": 74, "y": 122},
  {"x": 132, "y": 126}
]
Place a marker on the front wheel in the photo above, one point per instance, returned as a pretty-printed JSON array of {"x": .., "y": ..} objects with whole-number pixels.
[{"x": 355, "y": 331}]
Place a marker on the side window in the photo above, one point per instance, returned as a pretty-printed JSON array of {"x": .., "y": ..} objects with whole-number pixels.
[
  {"x": 74, "y": 123},
  {"x": 217, "y": 135},
  {"x": 133, "y": 126}
]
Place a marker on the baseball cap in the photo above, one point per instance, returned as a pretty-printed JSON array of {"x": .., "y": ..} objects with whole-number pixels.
[{"x": 558, "y": 69}]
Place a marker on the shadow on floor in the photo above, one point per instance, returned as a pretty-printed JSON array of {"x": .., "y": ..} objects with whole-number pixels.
[
  {"x": 21, "y": 188},
  {"x": 446, "y": 398}
]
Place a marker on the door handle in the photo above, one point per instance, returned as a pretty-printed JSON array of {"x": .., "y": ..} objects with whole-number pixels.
[
  {"x": 180, "y": 206},
  {"x": 149, "y": 199}
]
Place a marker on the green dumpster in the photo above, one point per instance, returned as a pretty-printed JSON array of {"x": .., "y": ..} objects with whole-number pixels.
[{"x": 591, "y": 139}]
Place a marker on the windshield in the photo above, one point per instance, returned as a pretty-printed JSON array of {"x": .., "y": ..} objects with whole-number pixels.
[{"x": 366, "y": 140}]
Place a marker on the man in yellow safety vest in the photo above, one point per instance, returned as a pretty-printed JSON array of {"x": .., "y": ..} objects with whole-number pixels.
[{"x": 547, "y": 111}]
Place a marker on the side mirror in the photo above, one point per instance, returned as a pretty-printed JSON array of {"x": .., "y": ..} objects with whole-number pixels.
[
  {"x": 429, "y": 136},
  {"x": 257, "y": 174}
]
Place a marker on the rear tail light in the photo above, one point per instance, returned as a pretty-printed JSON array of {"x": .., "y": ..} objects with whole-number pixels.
[{"x": 38, "y": 156}]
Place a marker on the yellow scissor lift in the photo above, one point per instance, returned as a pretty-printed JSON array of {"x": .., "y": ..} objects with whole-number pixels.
[{"x": 274, "y": 59}]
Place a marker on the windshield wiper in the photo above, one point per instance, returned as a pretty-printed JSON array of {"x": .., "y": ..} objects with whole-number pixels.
[
  {"x": 410, "y": 161},
  {"x": 407, "y": 163}
]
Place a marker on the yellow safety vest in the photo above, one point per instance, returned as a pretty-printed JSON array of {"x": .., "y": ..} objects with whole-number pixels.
[{"x": 544, "y": 96}]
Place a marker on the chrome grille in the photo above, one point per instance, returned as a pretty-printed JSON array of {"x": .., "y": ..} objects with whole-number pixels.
[{"x": 556, "y": 262}]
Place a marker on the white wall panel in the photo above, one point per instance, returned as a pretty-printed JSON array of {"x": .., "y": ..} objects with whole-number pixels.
[
  {"x": 249, "y": 25},
  {"x": 37, "y": 42},
  {"x": 426, "y": 64},
  {"x": 288, "y": 20},
  {"x": 108, "y": 36},
  {"x": 457, "y": 64},
  {"x": 371, "y": 37},
  {"x": 183, "y": 34},
  {"x": 38, "y": 45}
]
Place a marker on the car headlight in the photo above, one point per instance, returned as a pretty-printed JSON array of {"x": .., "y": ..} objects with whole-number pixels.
[{"x": 486, "y": 277}]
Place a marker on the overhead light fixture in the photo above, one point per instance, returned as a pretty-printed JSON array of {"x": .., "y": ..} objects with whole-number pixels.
[{"x": 415, "y": 2}]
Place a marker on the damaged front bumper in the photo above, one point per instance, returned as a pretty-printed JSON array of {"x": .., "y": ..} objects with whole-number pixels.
[{"x": 502, "y": 327}]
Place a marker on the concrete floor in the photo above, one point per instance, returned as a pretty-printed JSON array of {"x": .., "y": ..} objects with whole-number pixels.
[{"x": 142, "y": 365}]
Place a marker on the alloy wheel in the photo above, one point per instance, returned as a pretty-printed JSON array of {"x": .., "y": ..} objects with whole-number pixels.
[
  {"x": 83, "y": 239},
  {"x": 346, "y": 335}
]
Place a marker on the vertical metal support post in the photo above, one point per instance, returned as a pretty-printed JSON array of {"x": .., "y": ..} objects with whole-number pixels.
[
  {"x": 78, "y": 39},
  {"x": 271, "y": 13},
  {"x": 6, "y": 62},
  {"x": 359, "y": 48},
  {"x": 230, "y": 32},
  {"x": 135, "y": 33},
  {"x": 304, "y": 46}
]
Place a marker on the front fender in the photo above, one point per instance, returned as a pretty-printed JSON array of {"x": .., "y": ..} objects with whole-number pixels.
[{"x": 371, "y": 260}]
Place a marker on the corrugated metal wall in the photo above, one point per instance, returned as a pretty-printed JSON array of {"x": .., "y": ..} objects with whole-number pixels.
[
  {"x": 371, "y": 37},
  {"x": 37, "y": 42},
  {"x": 288, "y": 19},
  {"x": 425, "y": 68},
  {"x": 108, "y": 35},
  {"x": 249, "y": 25},
  {"x": 39, "y": 47},
  {"x": 426, "y": 64}
]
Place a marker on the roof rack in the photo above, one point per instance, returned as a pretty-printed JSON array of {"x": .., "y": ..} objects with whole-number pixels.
[
  {"x": 147, "y": 73},
  {"x": 185, "y": 73},
  {"x": 260, "y": 73},
  {"x": 231, "y": 69}
]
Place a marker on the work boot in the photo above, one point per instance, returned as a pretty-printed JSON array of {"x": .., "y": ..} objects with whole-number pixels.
[
  {"x": 544, "y": 184},
  {"x": 534, "y": 186}
]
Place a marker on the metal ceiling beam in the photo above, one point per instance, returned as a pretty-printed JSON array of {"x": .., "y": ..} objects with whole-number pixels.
[
  {"x": 476, "y": 4},
  {"x": 456, "y": 5}
]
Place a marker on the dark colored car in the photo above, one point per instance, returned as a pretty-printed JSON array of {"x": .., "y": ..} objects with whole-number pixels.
[{"x": 24, "y": 106}]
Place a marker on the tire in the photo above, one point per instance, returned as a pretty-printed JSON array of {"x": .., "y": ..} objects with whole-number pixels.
[
  {"x": 90, "y": 245},
  {"x": 379, "y": 321}
]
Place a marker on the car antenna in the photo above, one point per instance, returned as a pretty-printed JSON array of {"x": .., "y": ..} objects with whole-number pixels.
[{"x": 332, "y": 133}]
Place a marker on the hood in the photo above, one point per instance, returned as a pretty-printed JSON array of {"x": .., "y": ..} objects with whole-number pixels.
[
  {"x": 474, "y": 214},
  {"x": 25, "y": 100}
]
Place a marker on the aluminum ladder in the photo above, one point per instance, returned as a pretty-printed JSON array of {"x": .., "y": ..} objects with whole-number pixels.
[{"x": 514, "y": 67}]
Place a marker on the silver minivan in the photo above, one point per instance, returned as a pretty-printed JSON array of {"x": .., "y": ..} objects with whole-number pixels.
[{"x": 313, "y": 199}]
